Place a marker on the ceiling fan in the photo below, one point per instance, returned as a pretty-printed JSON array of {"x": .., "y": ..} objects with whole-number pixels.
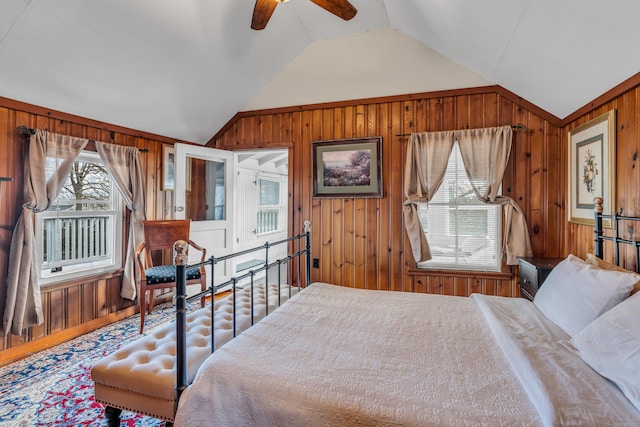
[{"x": 264, "y": 9}]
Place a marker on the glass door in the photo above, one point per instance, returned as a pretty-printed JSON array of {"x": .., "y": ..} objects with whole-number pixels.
[{"x": 204, "y": 193}]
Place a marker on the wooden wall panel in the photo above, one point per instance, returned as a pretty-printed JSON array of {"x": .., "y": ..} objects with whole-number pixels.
[
  {"x": 55, "y": 311},
  {"x": 579, "y": 237},
  {"x": 360, "y": 247},
  {"x": 395, "y": 180},
  {"x": 70, "y": 308},
  {"x": 361, "y": 242}
]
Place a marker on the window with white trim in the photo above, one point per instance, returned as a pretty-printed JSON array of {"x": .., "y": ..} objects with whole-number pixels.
[
  {"x": 271, "y": 209},
  {"x": 463, "y": 232},
  {"x": 81, "y": 231}
]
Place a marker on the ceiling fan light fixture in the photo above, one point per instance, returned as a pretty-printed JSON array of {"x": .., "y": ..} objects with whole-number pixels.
[{"x": 263, "y": 10}]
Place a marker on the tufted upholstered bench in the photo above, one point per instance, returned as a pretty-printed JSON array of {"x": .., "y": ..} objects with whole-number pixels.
[{"x": 141, "y": 376}]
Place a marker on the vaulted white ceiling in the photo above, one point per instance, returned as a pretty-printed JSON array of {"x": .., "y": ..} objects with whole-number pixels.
[{"x": 183, "y": 68}]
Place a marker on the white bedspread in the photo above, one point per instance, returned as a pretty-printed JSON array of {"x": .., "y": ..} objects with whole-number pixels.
[
  {"x": 336, "y": 356},
  {"x": 564, "y": 390}
]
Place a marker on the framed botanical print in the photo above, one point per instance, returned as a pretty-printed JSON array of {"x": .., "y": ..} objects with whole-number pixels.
[
  {"x": 592, "y": 155},
  {"x": 168, "y": 168}
]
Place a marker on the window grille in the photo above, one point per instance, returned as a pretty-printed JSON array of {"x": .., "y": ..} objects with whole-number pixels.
[
  {"x": 81, "y": 230},
  {"x": 270, "y": 207},
  {"x": 463, "y": 232}
]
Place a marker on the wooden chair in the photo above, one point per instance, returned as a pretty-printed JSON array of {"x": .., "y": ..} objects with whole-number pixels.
[{"x": 160, "y": 236}]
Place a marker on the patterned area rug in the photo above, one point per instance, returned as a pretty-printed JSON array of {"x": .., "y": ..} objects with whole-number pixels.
[{"x": 54, "y": 387}]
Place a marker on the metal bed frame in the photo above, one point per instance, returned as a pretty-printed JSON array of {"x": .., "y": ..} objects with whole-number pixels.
[
  {"x": 599, "y": 236},
  {"x": 181, "y": 289}
]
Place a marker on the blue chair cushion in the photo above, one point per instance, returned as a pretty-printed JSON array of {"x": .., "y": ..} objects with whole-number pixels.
[{"x": 167, "y": 274}]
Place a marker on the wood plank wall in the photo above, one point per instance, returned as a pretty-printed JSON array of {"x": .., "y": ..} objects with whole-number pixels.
[
  {"x": 625, "y": 100},
  {"x": 361, "y": 242},
  {"x": 76, "y": 307}
]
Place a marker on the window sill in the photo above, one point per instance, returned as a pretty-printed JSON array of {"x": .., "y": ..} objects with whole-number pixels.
[
  {"x": 81, "y": 280},
  {"x": 460, "y": 273},
  {"x": 269, "y": 233}
]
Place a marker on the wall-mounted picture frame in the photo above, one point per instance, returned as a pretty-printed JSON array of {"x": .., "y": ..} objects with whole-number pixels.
[
  {"x": 592, "y": 159},
  {"x": 348, "y": 167},
  {"x": 168, "y": 168}
]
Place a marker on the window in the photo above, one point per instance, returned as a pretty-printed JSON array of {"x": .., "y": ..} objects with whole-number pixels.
[
  {"x": 463, "y": 232},
  {"x": 270, "y": 206},
  {"x": 81, "y": 230}
]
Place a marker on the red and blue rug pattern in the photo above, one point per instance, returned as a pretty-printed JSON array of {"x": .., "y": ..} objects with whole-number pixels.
[{"x": 54, "y": 387}]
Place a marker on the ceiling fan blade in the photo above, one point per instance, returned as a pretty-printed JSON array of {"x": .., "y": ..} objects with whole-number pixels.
[
  {"x": 341, "y": 8},
  {"x": 262, "y": 11}
]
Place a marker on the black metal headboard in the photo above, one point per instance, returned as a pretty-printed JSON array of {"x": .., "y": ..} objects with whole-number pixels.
[{"x": 616, "y": 239}]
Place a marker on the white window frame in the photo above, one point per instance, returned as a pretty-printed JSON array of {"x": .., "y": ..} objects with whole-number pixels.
[
  {"x": 71, "y": 270},
  {"x": 452, "y": 257},
  {"x": 280, "y": 207}
]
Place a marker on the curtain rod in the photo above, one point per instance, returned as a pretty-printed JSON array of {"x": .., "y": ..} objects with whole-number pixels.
[
  {"x": 514, "y": 127},
  {"x": 30, "y": 131}
]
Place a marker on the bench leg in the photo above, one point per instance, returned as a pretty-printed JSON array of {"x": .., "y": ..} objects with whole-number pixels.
[{"x": 113, "y": 416}]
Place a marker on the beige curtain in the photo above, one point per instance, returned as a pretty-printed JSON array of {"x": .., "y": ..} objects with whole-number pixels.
[
  {"x": 485, "y": 153},
  {"x": 125, "y": 167},
  {"x": 22, "y": 303},
  {"x": 427, "y": 157}
]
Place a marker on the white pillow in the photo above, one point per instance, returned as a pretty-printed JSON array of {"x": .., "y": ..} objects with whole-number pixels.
[
  {"x": 611, "y": 346},
  {"x": 575, "y": 293},
  {"x": 594, "y": 260}
]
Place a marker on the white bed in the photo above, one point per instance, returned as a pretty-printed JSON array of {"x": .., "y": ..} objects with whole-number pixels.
[{"x": 336, "y": 356}]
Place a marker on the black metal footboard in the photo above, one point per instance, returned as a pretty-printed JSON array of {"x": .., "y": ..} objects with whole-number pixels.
[
  {"x": 292, "y": 260},
  {"x": 614, "y": 221}
]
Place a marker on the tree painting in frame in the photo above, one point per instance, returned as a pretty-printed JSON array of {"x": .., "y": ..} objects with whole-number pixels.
[
  {"x": 348, "y": 168},
  {"x": 592, "y": 154}
]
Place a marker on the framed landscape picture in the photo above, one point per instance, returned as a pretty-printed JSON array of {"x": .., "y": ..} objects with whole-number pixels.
[
  {"x": 348, "y": 168},
  {"x": 592, "y": 155}
]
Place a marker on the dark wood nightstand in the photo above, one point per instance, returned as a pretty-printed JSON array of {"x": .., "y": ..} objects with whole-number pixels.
[{"x": 533, "y": 272}]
